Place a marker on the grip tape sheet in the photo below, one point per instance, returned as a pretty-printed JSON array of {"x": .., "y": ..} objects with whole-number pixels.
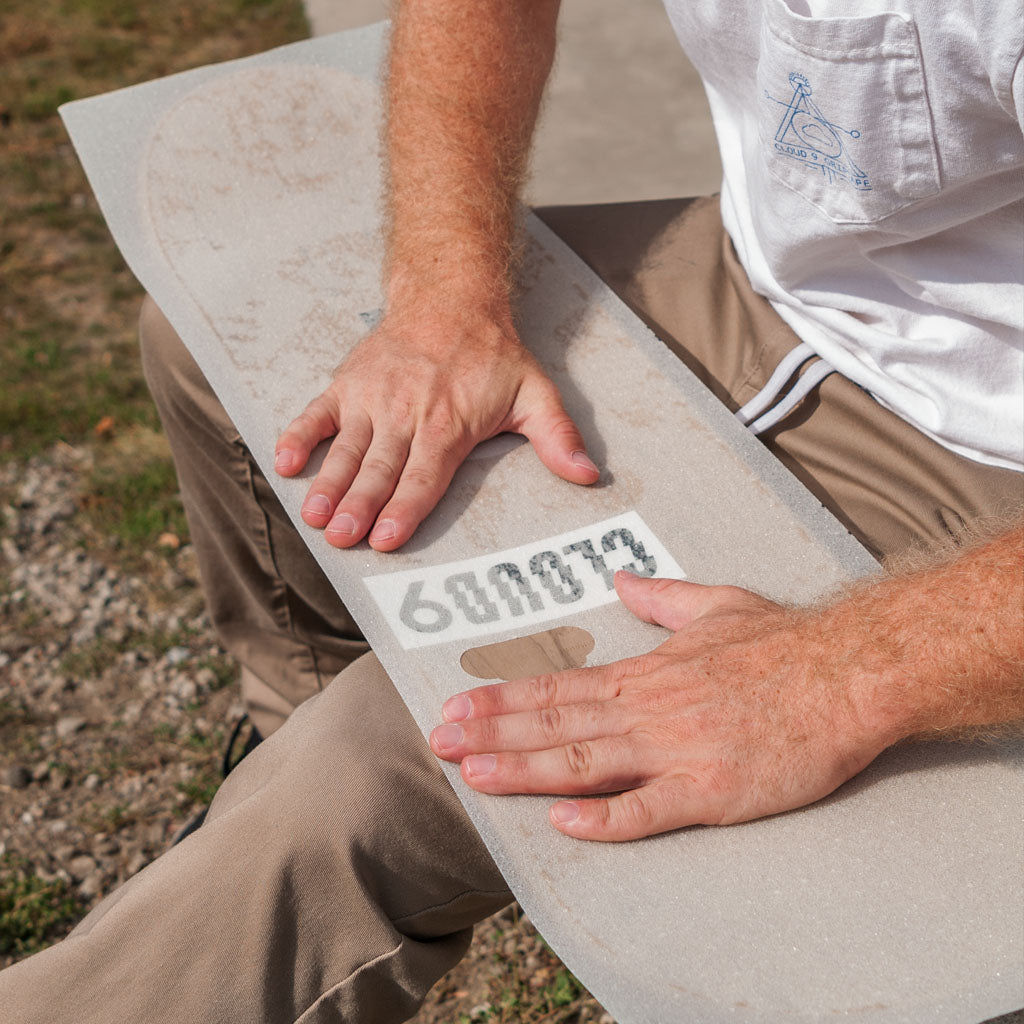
[{"x": 244, "y": 197}]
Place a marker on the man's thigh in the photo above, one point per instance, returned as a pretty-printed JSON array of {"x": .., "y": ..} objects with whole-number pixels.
[
  {"x": 336, "y": 877},
  {"x": 673, "y": 264}
]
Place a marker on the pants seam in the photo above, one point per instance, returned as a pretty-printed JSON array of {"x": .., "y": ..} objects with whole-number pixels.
[
  {"x": 281, "y": 584},
  {"x": 448, "y": 902},
  {"x": 305, "y": 1015}
]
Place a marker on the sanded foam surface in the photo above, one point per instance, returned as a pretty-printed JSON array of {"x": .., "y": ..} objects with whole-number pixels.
[{"x": 244, "y": 197}]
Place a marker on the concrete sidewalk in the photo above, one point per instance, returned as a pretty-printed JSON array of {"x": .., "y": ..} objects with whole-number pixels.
[{"x": 626, "y": 116}]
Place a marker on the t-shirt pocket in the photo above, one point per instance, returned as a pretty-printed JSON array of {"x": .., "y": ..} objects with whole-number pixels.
[{"x": 843, "y": 115}]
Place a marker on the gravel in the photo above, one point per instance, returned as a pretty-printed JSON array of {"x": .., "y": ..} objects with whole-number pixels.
[
  {"x": 113, "y": 715},
  {"x": 110, "y": 696}
]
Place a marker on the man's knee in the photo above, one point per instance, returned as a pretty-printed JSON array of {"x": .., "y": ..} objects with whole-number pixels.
[{"x": 354, "y": 780}]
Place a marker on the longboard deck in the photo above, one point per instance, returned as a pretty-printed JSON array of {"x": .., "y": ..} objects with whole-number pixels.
[{"x": 243, "y": 196}]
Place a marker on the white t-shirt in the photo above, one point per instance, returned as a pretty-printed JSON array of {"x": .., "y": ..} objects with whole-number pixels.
[{"x": 874, "y": 190}]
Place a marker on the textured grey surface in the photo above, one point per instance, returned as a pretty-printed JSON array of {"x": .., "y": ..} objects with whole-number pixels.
[{"x": 242, "y": 195}]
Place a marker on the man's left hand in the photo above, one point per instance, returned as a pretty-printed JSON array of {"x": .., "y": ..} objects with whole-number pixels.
[{"x": 747, "y": 710}]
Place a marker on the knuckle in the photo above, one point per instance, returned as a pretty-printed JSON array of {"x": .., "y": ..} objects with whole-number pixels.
[
  {"x": 601, "y": 813},
  {"x": 544, "y": 690},
  {"x": 654, "y": 703},
  {"x": 402, "y": 407},
  {"x": 635, "y": 811},
  {"x": 378, "y": 466},
  {"x": 419, "y": 478},
  {"x": 642, "y": 665},
  {"x": 344, "y": 454},
  {"x": 438, "y": 442},
  {"x": 565, "y": 427},
  {"x": 439, "y": 430},
  {"x": 310, "y": 417},
  {"x": 550, "y": 721},
  {"x": 579, "y": 759},
  {"x": 662, "y": 584}
]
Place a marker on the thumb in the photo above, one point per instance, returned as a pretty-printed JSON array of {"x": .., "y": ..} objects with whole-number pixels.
[
  {"x": 554, "y": 436},
  {"x": 669, "y": 603}
]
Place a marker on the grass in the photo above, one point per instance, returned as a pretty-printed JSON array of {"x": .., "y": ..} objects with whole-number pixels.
[
  {"x": 535, "y": 989},
  {"x": 132, "y": 492},
  {"x": 33, "y": 912},
  {"x": 551, "y": 1001},
  {"x": 18, "y": 731},
  {"x": 225, "y": 671},
  {"x": 200, "y": 790},
  {"x": 91, "y": 660},
  {"x": 68, "y": 304}
]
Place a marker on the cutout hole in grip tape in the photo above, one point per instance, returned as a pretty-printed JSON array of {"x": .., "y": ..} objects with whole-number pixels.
[{"x": 551, "y": 650}]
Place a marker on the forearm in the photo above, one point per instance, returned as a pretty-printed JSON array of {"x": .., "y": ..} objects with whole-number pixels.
[
  {"x": 464, "y": 88},
  {"x": 937, "y": 651}
]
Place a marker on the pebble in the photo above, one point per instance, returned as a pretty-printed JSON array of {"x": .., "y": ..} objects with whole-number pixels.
[
  {"x": 67, "y": 727},
  {"x": 105, "y": 846},
  {"x": 81, "y": 867},
  {"x": 91, "y": 886},
  {"x": 176, "y": 655},
  {"x": 92, "y": 782},
  {"x": 17, "y": 776},
  {"x": 137, "y": 863},
  {"x": 184, "y": 689}
]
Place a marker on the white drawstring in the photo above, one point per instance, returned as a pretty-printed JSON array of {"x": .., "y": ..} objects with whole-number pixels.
[
  {"x": 803, "y": 387},
  {"x": 786, "y": 368}
]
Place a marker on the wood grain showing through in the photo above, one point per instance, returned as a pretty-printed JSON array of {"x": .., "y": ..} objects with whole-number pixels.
[{"x": 552, "y": 650}]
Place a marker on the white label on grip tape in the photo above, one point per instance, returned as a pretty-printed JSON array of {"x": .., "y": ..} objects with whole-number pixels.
[{"x": 520, "y": 587}]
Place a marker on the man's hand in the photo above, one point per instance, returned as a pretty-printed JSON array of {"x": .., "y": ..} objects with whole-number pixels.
[
  {"x": 750, "y": 709},
  {"x": 407, "y": 407},
  {"x": 445, "y": 368},
  {"x": 728, "y": 720}
]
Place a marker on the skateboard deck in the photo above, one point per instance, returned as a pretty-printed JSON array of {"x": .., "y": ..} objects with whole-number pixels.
[{"x": 244, "y": 197}]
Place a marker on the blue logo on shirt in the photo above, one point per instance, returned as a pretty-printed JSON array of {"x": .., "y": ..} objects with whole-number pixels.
[{"x": 806, "y": 135}]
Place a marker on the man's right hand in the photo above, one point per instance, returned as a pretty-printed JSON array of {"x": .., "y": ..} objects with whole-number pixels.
[
  {"x": 445, "y": 369},
  {"x": 407, "y": 407}
]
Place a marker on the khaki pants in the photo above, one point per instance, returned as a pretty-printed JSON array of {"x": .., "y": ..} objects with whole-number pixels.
[{"x": 337, "y": 876}]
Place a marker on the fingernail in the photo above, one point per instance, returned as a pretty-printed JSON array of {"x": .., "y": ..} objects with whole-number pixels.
[
  {"x": 283, "y": 459},
  {"x": 342, "y": 524},
  {"x": 480, "y": 764},
  {"x": 448, "y": 736},
  {"x": 457, "y": 709},
  {"x": 582, "y": 460},
  {"x": 565, "y": 812},
  {"x": 384, "y": 530},
  {"x": 318, "y": 504}
]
